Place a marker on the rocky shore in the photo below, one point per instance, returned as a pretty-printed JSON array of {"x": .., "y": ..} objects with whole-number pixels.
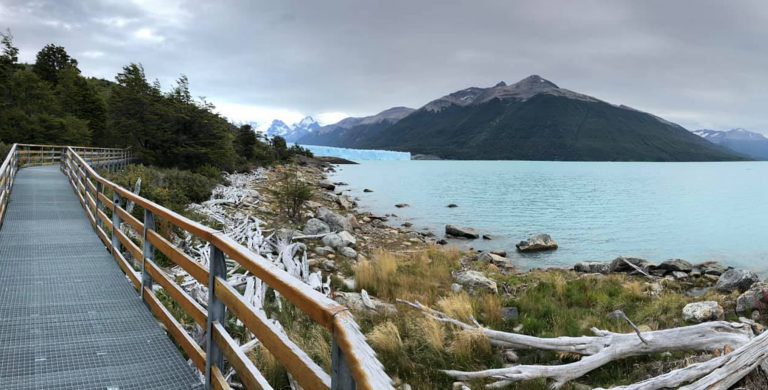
[{"x": 340, "y": 240}]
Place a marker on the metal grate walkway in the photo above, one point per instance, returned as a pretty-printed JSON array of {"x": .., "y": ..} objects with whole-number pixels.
[{"x": 69, "y": 319}]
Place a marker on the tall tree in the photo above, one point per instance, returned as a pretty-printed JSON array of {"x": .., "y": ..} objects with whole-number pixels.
[
  {"x": 81, "y": 100},
  {"x": 51, "y": 60},
  {"x": 245, "y": 142}
]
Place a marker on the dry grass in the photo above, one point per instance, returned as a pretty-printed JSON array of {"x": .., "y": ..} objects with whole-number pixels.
[
  {"x": 432, "y": 332},
  {"x": 457, "y": 306},
  {"x": 470, "y": 346},
  {"x": 424, "y": 276},
  {"x": 385, "y": 337}
]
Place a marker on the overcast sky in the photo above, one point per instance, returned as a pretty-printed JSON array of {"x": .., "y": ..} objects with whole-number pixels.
[{"x": 697, "y": 63}]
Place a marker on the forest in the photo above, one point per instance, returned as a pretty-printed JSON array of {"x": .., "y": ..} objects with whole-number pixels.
[{"x": 51, "y": 102}]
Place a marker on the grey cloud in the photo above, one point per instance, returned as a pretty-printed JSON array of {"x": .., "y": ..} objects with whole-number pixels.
[{"x": 700, "y": 63}]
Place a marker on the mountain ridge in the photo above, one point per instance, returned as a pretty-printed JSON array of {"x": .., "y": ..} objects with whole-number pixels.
[
  {"x": 742, "y": 141},
  {"x": 532, "y": 119}
]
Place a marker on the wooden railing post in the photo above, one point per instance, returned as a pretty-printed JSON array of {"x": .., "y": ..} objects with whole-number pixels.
[
  {"x": 149, "y": 252},
  {"x": 115, "y": 222},
  {"x": 217, "y": 267},
  {"x": 341, "y": 374}
]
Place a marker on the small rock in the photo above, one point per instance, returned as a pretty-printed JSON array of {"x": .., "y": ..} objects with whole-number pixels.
[
  {"x": 347, "y": 239},
  {"x": 328, "y": 265},
  {"x": 348, "y": 252},
  {"x": 500, "y": 253},
  {"x": 491, "y": 258},
  {"x": 335, "y": 221},
  {"x": 340, "y": 183},
  {"x": 712, "y": 277},
  {"x": 754, "y": 299},
  {"x": 367, "y": 190},
  {"x": 456, "y": 288},
  {"x": 703, "y": 311},
  {"x": 695, "y": 273},
  {"x": 592, "y": 267},
  {"x": 441, "y": 241},
  {"x": 538, "y": 242},
  {"x": 518, "y": 328},
  {"x": 459, "y": 386},
  {"x": 455, "y": 231},
  {"x": 712, "y": 268},
  {"x": 323, "y": 250},
  {"x": 333, "y": 240},
  {"x": 487, "y": 237},
  {"x": 735, "y": 279},
  {"x": 346, "y": 202},
  {"x": 510, "y": 356},
  {"x": 452, "y": 205},
  {"x": 316, "y": 226},
  {"x": 474, "y": 280},
  {"x": 620, "y": 265},
  {"x": 401, "y": 205},
  {"x": 366, "y": 219},
  {"x": 326, "y": 185},
  {"x": 406, "y": 224},
  {"x": 510, "y": 313},
  {"x": 675, "y": 265},
  {"x": 679, "y": 275}
]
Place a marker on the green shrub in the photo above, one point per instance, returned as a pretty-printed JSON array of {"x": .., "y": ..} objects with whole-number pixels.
[
  {"x": 169, "y": 187},
  {"x": 292, "y": 193}
]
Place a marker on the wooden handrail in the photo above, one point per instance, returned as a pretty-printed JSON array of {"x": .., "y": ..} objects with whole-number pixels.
[{"x": 352, "y": 354}]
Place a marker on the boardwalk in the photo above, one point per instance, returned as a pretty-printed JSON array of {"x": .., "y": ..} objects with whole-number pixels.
[{"x": 69, "y": 319}]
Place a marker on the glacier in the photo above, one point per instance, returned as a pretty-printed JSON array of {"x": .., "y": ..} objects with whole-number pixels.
[{"x": 357, "y": 154}]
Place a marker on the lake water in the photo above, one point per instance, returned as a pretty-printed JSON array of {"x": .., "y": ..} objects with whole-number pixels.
[{"x": 595, "y": 210}]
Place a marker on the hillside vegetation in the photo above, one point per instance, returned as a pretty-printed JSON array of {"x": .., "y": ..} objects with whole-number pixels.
[{"x": 50, "y": 102}]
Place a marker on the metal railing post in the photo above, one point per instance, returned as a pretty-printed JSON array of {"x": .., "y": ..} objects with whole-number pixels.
[
  {"x": 341, "y": 374},
  {"x": 149, "y": 252},
  {"x": 99, "y": 204},
  {"x": 115, "y": 222},
  {"x": 216, "y": 313}
]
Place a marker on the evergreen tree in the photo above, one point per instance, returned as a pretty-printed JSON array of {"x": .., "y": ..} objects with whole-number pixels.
[
  {"x": 51, "y": 60},
  {"x": 245, "y": 142},
  {"x": 80, "y": 99}
]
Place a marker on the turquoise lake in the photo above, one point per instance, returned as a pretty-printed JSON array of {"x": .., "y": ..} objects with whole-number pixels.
[{"x": 595, "y": 210}]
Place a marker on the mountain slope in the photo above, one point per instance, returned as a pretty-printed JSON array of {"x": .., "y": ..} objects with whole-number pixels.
[
  {"x": 744, "y": 142},
  {"x": 350, "y": 130},
  {"x": 534, "y": 119}
]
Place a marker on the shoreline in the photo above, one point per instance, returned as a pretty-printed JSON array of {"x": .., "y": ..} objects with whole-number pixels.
[{"x": 380, "y": 272}]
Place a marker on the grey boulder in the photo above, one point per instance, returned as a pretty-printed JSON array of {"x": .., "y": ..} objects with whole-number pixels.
[
  {"x": 538, "y": 242},
  {"x": 335, "y": 221},
  {"x": 703, "y": 311},
  {"x": 475, "y": 281},
  {"x": 463, "y": 232},
  {"x": 673, "y": 265},
  {"x": 316, "y": 226},
  {"x": 736, "y": 279},
  {"x": 592, "y": 267},
  {"x": 348, "y": 252},
  {"x": 756, "y": 298}
]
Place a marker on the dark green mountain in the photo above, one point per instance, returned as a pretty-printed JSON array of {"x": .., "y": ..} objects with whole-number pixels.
[{"x": 533, "y": 119}]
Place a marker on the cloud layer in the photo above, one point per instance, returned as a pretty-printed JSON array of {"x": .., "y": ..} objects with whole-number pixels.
[{"x": 698, "y": 63}]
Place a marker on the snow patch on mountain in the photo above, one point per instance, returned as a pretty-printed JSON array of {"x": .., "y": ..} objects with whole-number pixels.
[{"x": 293, "y": 132}]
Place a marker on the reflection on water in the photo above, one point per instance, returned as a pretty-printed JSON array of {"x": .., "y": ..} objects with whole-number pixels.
[{"x": 595, "y": 210}]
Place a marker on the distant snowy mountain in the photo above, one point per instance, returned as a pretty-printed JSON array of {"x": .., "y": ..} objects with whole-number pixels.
[
  {"x": 295, "y": 131},
  {"x": 745, "y": 142}
]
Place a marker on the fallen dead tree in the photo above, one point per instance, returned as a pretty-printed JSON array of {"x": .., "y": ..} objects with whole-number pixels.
[{"x": 605, "y": 347}]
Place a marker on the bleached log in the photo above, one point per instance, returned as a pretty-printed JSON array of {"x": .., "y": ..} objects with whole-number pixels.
[{"x": 599, "y": 350}]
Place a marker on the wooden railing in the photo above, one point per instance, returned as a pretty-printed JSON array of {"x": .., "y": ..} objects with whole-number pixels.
[
  {"x": 26, "y": 155},
  {"x": 354, "y": 363}
]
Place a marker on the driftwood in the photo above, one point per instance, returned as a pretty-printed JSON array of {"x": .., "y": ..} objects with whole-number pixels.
[
  {"x": 598, "y": 350},
  {"x": 719, "y": 373}
]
